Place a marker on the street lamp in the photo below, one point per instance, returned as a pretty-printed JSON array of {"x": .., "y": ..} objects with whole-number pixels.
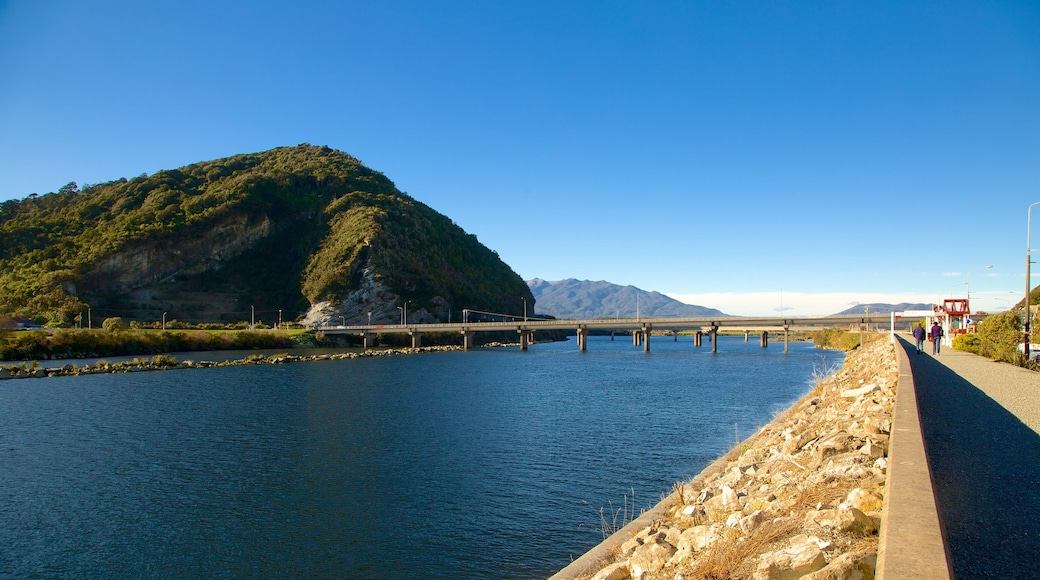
[
  {"x": 164, "y": 321},
  {"x": 525, "y": 308},
  {"x": 370, "y": 318},
  {"x": 401, "y": 308},
  {"x": 1025, "y": 314},
  {"x": 969, "y": 283},
  {"x": 252, "y": 317}
]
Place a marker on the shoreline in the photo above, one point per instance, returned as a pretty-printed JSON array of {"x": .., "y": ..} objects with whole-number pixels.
[
  {"x": 162, "y": 362},
  {"x": 803, "y": 496}
]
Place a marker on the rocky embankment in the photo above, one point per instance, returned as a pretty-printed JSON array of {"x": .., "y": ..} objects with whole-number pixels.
[
  {"x": 800, "y": 499},
  {"x": 166, "y": 362}
]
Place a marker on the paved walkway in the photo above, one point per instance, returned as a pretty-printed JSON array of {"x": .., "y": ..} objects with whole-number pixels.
[{"x": 981, "y": 425}]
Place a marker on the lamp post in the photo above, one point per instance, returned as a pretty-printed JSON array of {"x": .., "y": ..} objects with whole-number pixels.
[
  {"x": 252, "y": 317},
  {"x": 1025, "y": 314},
  {"x": 525, "y": 308},
  {"x": 969, "y": 284},
  {"x": 164, "y": 321},
  {"x": 370, "y": 318},
  {"x": 401, "y": 308}
]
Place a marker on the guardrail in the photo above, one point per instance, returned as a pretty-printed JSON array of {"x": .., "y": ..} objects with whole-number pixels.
[{"x": 702, "y": 323}]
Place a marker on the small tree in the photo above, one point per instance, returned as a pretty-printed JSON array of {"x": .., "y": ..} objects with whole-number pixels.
[
  {"x": 1000, "y": 335},
  {"x": 115, "y": 324}
]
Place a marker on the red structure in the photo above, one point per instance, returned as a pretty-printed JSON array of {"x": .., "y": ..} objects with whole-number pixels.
[{"x": 956, "y": 307}]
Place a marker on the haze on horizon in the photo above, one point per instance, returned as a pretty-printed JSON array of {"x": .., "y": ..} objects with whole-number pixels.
[{"x": 719, "y": 153}]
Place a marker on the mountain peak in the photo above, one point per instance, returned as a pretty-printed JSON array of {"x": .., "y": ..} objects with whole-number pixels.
[{"x": 585, "y": 299}]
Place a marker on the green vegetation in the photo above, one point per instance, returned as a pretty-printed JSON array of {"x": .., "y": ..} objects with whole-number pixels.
[
  {"x": 81, "y": 343},
  {"x": 277, "y": 230},
  {"x": 999, "y": 336},
  {"x": 837, "y": 339}
]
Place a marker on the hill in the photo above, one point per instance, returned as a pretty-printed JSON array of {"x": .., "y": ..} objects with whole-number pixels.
[
  {"x": 580, "y": 299},
  {"x": 301, "y": 231},
  {"x": 881, "y": 308}
]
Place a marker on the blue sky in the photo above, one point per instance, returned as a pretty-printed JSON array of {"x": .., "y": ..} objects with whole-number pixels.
[{"x": 724, "y": 153}]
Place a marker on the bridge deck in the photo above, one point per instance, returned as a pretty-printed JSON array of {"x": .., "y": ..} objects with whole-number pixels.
[{"x": 700, "y": 323}]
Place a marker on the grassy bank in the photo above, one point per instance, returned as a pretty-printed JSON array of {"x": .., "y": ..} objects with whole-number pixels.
[{"x": 84, "y": 343}]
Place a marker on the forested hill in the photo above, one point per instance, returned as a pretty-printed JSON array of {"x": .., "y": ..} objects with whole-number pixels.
[{"x": 304, "y": 230}]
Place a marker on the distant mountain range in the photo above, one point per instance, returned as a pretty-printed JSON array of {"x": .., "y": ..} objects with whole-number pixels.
[
  {"x": 584, "y": 299},
  {"x": 879, "y": 308}
]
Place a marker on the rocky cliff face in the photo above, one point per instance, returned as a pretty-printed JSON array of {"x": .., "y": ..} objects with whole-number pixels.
[
  {"x": 301, "y": 232},
  {"x": 146, "y": 263}
]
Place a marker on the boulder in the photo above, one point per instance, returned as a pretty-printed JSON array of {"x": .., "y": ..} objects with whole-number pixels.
[
  {"x": 650, "y": 558},
  {"x": 856, "y": 393},
  {"x": 850, "y": 520},
  {"x": 848, "y": 566},
  {"x": 616, "y": 571},
  {"x": 751, "y": 522},
  {"x": 802, "y": 557},
  {"x": 864, "y": 500}
]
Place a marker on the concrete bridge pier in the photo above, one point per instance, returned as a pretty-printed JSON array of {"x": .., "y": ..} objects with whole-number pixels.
[
  {"x": 697, "y": 338},
  {"x": 747, "y": 336},
  {"x": 714, "y": 339},
  {"x": 786, "y": 340},
  {"x": 524, "y": 335},
  {"x": 765, "y": 338},
  {"x": 637, "y": 338},
  {"x": 368, "y": 339},
  {"x": 583, "y": 339},
  {"x": 646, "y": 338},
  {"x": 675, "y": 333},
  {"x": 467, "y": 339},
  {"x": 416, "y": 339}
]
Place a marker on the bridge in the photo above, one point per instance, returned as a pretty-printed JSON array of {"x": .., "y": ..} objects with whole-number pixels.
[{"x": 641, "y": 328}]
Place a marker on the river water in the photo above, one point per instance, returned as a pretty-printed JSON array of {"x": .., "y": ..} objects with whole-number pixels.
[{"x": 493, "y": 463}]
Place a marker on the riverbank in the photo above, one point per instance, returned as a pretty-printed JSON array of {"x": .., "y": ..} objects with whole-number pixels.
[
  {"x": 167, "y": 362},
  {"x": 802, "y": 498}
]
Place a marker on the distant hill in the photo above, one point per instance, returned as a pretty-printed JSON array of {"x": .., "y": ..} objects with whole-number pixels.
[
  {"x": 582, "y": 299},
  {"x": 880, "y": 308},
  {"x": 291, "y": 232}
]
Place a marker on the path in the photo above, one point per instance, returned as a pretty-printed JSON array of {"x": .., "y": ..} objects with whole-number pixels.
[{"x": 981, "y": 424}]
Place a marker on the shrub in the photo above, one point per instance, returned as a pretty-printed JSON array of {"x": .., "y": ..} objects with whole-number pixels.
[
  {"x": 113, "y": 324},
  {"x": 967, "y": 343},
  {"x": 999, "y": 337}
]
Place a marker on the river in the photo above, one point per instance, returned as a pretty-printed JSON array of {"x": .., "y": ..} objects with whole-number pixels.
[{"x": 493, "y": 463}]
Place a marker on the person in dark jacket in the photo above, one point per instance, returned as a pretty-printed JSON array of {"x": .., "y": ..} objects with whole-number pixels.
[
  {"x": 937, "y": 334},
  {"x": 919, "y": 337}
]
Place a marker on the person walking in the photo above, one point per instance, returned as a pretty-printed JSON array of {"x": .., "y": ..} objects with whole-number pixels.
[
  {"x": 937, "y": 334},
  {"x": 919, "y": 337}
]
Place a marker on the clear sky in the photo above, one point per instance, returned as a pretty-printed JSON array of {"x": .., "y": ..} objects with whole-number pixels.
[{"x": 724, "y": 153}]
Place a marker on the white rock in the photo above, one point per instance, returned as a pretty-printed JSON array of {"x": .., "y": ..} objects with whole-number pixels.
[
  {"x": 729, "y": 497},
  {"x": 616, "y": 571},
  {"x": 802, "y": 557},
  {"x": 650, "y": 558},
  {"x": 863, "y": 500},
  {"x": 750, "y": 522},
  {"x": 854, "y": 393}
]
